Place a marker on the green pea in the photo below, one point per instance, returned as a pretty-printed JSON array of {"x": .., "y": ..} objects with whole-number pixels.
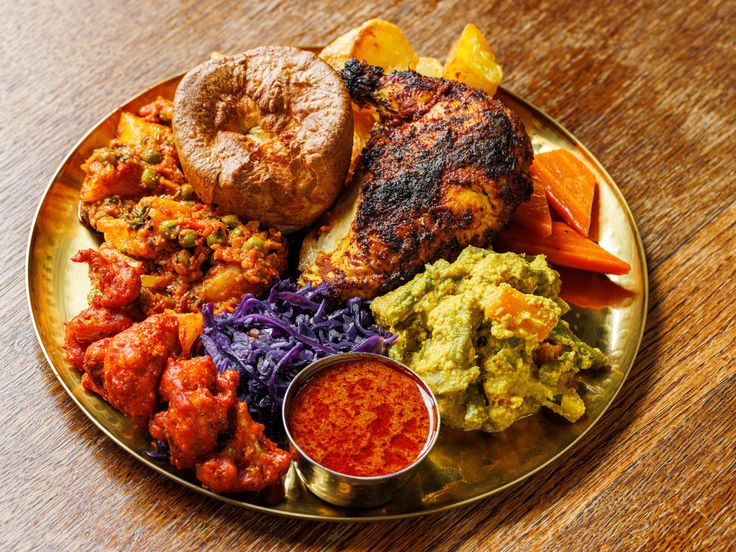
[
  {"x": 93, "y": 294},
  {"x": 183, "y": 257},
  {"x": 152, "y": 156},
  {"x": 237, "y": 231},
  {"x": 231, "y": 221},
  {"x": 149, "y": 177},
  {"x": 107, "y": 156},
  {"x": 168, "y": 229},
  {"x": 166, "y": 114},
  {"x": 255, "y": 242},
  {"x": 215, "y": 238},
  {"x": 188, "y": 238},
  {"x": 186, "y": 191}
]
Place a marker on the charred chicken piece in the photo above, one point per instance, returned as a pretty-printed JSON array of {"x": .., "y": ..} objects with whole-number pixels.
[
  {"x": 444, "y": 168},
  {"x": 199, "y": 398},
  {"x": 249, "y": 462}
]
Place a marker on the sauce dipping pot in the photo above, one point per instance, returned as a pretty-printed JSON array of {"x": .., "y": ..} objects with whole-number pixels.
[{"x": 343, "y": 489}]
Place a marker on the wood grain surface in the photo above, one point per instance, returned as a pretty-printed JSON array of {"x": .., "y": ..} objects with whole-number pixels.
[{"x": 649, "y": 87}]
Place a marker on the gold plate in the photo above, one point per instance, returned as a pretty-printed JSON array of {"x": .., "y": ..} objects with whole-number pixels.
[{"x": 464, "y": 466}]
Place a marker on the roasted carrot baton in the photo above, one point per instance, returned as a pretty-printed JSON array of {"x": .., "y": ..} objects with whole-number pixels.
[
  {"x": 534, "y": 214},
  {"x": 569, "y": 185},
  {"x": 564, "y": 247},
  {"x": 589, "y": 290}
]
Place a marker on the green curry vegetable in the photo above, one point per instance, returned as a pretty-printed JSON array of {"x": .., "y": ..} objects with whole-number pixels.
[{"x": 487, "y": 372}]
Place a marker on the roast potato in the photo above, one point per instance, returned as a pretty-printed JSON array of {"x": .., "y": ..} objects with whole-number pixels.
[
  {"x": 471, "y": 61},
  {"x": 266, "y": 134},
  {"x": 363, "y": 120},
  {"x": 133, "y": 129},
  {"x": 429, "y": 67},
  {"x": 376, "y": 42}
]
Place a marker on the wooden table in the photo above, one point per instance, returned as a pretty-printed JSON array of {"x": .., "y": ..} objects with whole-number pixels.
[{"x": 648, "y": 86}]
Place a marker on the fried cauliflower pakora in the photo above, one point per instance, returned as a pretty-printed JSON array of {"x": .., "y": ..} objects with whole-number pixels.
[
  {"x": 125, "y": 369},
  {"x": 90, "y": 325},
  {"x": 198, "y": 398},
  {"x": 249, "y": 462}
]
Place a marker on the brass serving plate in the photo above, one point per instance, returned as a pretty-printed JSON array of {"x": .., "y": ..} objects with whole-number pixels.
[{"x": 463, "y": 467}]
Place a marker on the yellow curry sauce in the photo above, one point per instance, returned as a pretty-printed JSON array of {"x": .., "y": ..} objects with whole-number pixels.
[{"x": 486, "y": 334}]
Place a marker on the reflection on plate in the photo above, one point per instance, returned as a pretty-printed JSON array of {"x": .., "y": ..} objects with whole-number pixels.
[{"x": 462, "y": 467}]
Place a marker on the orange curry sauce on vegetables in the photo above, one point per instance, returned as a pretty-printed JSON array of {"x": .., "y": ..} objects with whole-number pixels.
[{"x": 361, "y": 418}]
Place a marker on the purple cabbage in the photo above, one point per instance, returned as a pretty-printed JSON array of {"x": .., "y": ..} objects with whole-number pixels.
[
  {"x": 270, "y": 341},
  {"x": 161, "y": 454}
]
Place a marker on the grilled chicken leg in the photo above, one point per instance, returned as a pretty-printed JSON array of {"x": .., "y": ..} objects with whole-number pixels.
[{"x": 444, "y": 168}]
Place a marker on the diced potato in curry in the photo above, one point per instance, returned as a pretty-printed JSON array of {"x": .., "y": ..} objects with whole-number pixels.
[
  {"x": 140, "y": 160},
  {"x": 119, "y": 233},
  {"x": 135, "y": 193},
  {"x": 133, "y": 129},
  {"x": 191, "y": 326}
]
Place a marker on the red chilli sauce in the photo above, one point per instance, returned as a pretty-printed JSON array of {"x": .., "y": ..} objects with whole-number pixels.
[{"x": 361, "y": 418}]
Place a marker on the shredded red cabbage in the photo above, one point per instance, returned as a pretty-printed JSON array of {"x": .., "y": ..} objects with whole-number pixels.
[{"x": 270, "y": 341}]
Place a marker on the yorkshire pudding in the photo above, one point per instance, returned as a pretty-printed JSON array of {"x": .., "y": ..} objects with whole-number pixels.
[{"x": 266, "y": 134}]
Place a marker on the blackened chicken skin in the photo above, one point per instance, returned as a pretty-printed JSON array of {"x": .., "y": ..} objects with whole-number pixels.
[
  {"x": 199, "y": 398},
  {"x": 445, "y": 167}
]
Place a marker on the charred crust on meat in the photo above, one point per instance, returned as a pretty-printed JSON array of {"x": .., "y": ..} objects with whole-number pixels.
[
  {"x": 444, "y": 168},
  {"x": 404, "y": 181},
  {"x": 360, "y": 79}
]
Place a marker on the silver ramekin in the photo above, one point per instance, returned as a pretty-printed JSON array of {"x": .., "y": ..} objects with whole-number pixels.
[{"x": 348, "y": 490}]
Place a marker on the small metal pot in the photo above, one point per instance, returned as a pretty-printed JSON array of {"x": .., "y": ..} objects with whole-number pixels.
[{"x": 348, "y": 490}]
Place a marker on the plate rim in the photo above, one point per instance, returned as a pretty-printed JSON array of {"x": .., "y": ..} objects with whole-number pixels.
[{"x": 639, "y": 250}]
